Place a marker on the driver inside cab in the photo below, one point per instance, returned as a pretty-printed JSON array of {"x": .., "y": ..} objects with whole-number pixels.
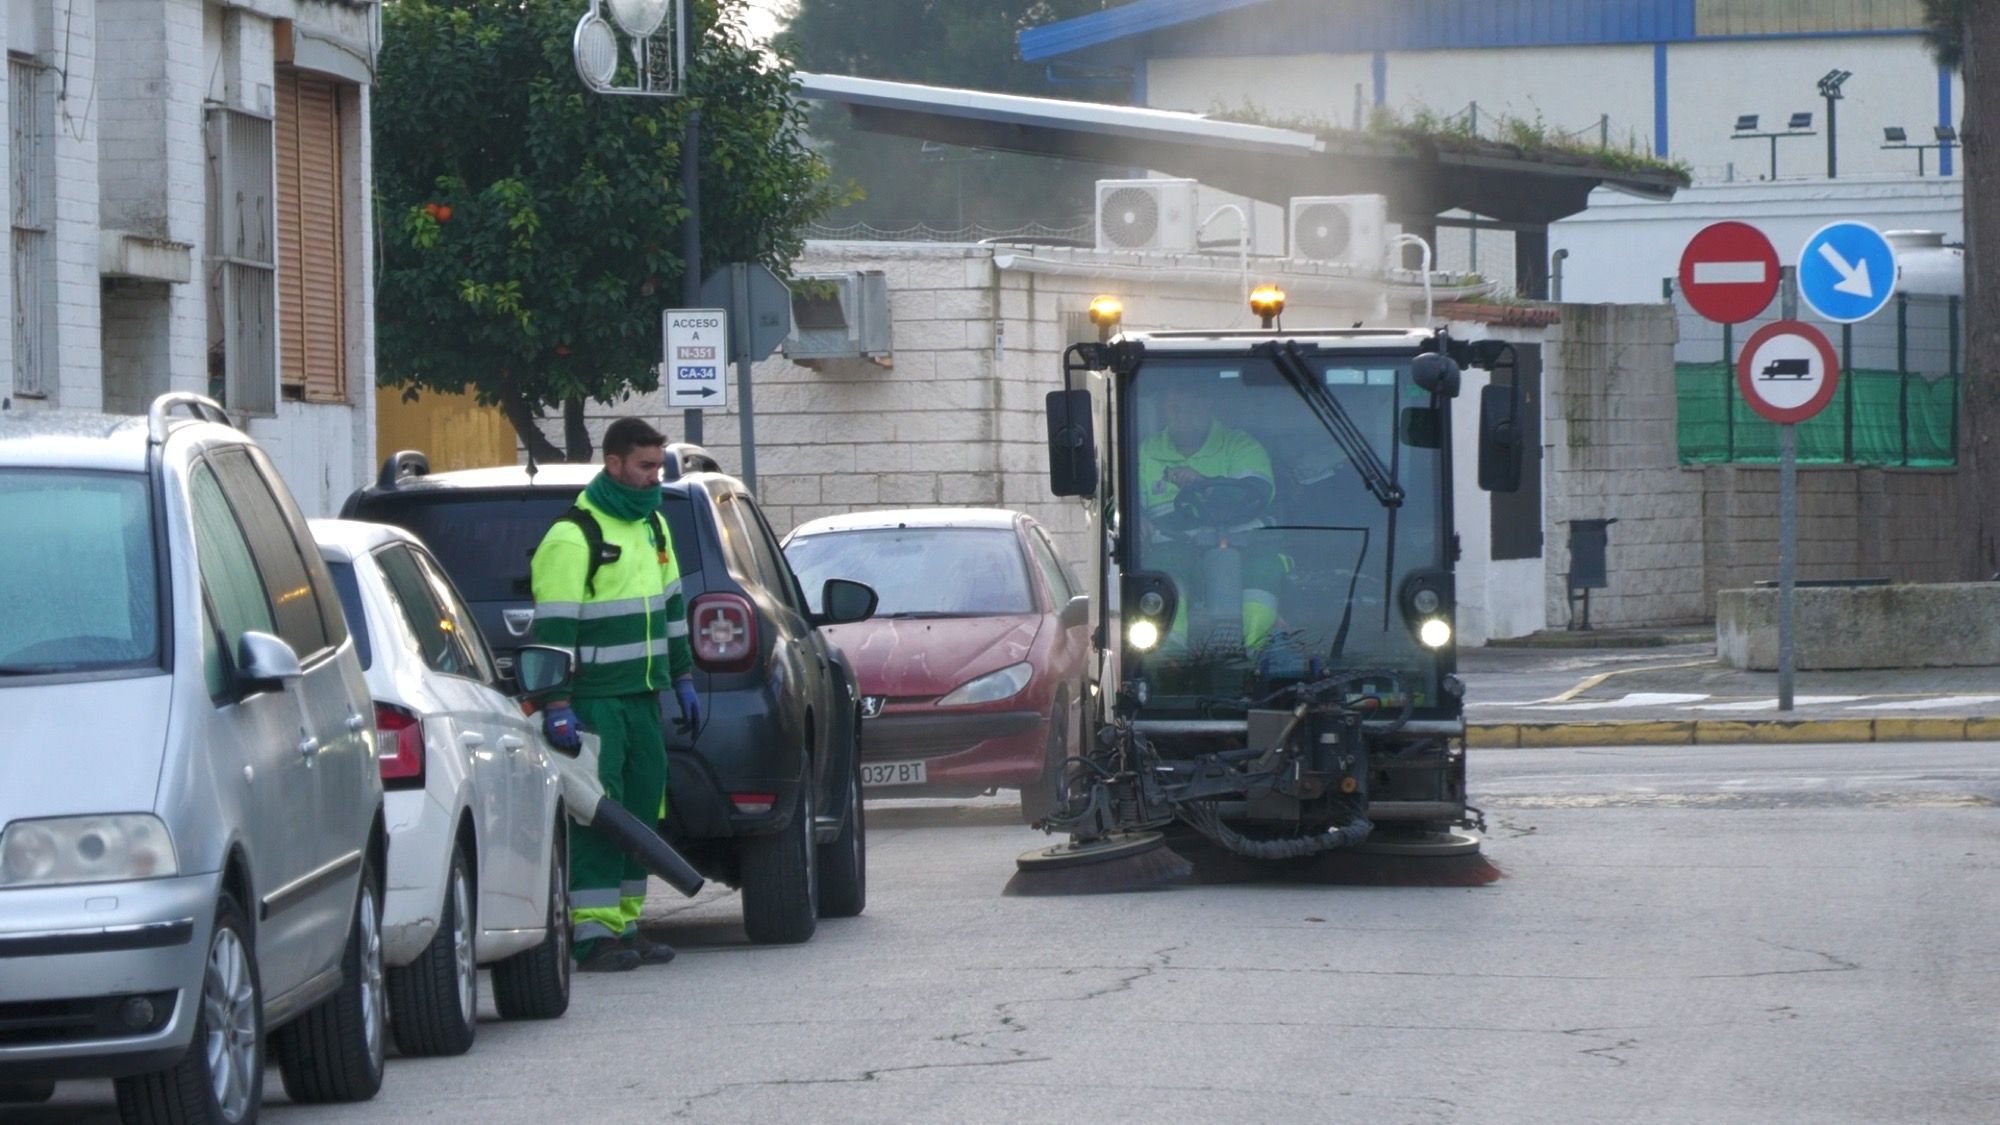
[{"x": 1194, "y": 448}]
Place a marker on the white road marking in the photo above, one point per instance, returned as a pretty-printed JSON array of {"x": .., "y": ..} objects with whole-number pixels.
[
  {"x": 1937, "y": 704},
  {"x": 1772, "y": 704}
]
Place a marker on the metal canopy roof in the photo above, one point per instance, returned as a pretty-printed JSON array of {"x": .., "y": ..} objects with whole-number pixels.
[{"x": 1421, "y": 178}]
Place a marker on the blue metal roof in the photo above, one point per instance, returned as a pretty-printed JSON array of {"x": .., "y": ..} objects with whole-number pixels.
[
  {"x": 1113, "y": 24},
  {"x": 1164, "y": 28}
]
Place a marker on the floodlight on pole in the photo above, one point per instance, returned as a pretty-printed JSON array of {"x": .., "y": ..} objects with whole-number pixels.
[
  {"x": 1800, "y": 125},
  {"x": 640, "y": 50},
  {"x": 639, "y": 18}
]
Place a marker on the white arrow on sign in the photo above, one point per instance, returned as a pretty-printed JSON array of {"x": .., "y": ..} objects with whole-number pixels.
[{"x": 1853, "y": 278}]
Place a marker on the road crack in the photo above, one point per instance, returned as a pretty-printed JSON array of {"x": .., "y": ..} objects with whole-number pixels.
[{"x": 1833, "y": 965}]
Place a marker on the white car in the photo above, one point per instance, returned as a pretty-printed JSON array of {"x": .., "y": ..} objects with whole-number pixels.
[{"x": 478, "y": 867}]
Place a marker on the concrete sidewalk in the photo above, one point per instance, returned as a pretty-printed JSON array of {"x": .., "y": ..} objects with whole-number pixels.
[{"x": 1665, "y": 687}]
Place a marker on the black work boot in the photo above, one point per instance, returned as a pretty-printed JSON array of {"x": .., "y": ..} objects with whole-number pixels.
[
  {"x": 649, "y": 951},
  {"x": 604, "y": 956}
]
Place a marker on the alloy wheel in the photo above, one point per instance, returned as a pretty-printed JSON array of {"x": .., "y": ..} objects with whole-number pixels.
[
  {"x": 463, "y": 957},
  {"x": 229, "y": 1009},
  {"x": 374, "y": 1000}
]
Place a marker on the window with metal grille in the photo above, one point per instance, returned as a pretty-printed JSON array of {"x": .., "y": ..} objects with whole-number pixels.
[
  {"x": 242, "y": 261},
  {"x": 312, "y": 269},
  {"x": 27, "y": 147}
]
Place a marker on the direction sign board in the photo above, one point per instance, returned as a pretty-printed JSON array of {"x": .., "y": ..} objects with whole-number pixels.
[
  {"x": 769, "y": 301},
  {"x": 697, "y": 353},
  {"x": 1729, "y": 272},
  {"x": 1788, "y": 371},
  {"x": 1847, "y": 271}
]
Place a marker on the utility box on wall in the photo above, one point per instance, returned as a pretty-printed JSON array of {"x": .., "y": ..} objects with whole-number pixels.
[{"x": 840, "y": 316}]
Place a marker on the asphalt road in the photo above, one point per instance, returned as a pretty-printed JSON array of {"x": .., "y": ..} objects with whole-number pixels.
[{"x": 1709, "y": 934}]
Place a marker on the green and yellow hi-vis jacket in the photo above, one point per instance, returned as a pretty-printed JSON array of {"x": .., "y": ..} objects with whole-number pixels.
[
  {"x": 1224, "y": 453},
  {"x": 630, "y": 634}
]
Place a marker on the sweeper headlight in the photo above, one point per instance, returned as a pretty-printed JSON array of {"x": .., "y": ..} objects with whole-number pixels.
[
  {"x": 1148, "y": 599},
  {"x": 1427, "y": 606}
]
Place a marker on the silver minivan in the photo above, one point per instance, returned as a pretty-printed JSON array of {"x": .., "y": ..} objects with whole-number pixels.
[{"x": 191, "y": 827}]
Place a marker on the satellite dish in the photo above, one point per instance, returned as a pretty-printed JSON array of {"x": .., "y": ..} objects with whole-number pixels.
[{"x": 596, "y": 50}]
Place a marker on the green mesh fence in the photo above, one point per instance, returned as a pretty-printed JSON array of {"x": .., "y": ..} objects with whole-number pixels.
[
  {"x": 1897, "y": 403},
  {"x": 1876, "y": 418}
]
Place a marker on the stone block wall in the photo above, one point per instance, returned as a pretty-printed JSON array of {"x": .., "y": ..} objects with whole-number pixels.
[{"x": 1611, "y": 453}]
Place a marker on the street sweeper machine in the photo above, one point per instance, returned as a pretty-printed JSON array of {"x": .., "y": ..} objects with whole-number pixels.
[{"x": 1272, "y": 575}]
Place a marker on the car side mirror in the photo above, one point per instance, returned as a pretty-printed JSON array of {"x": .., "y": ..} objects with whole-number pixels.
[
  {"x": 1074, "y": 612},
  {"x": 539, "y": 669},
  {"x": 843, "y": 602},
  {"x": 1072, "y": 444},
  {"x": 1499, "y": 440},
  {"x": 267, "y": 662}
]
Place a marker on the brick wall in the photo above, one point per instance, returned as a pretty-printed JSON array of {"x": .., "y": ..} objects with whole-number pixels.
[{"x": 1853, "y": 522}]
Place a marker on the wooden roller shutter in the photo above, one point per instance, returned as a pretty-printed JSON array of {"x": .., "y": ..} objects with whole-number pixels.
[{"x": 312, "y": 272}]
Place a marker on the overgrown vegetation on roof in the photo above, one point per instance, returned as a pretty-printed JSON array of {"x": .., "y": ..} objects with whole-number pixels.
[{"x": 1471, "y": 133}]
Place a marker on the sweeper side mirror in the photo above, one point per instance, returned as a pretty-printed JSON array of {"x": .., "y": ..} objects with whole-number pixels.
[{"x": 1072, "y": 444}]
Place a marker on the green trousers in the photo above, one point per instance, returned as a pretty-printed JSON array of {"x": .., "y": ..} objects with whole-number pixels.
[{"x": 607, "y": 888}]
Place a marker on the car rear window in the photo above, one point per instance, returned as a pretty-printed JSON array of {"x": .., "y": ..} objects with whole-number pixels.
[
  {"x": 921, "y": 571},
  {"x": 79, "y": 578},
  {"x": 484, "y": 540},
  {"x": 350, "y": 604}
]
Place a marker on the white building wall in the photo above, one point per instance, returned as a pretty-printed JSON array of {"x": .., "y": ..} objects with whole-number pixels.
[
  {"x": 1895, "y": 83},
  {"x": 74, "y": 338},
  {"x": 1621, "y": 248},
  {"x": 128, "y": 152},
  {"x": 1567, "y": 89}
]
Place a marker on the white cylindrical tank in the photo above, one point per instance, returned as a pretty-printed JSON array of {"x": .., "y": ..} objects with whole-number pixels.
[{"x": 1925, "y": 265}]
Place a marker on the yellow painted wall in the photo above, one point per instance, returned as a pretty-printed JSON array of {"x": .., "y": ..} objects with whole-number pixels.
[
  {"x": 454, "y": 431},
  {"x": 1781, "y": 17}
]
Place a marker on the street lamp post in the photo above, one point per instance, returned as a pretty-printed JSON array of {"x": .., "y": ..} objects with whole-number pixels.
[{"x": 658, "y": 69}]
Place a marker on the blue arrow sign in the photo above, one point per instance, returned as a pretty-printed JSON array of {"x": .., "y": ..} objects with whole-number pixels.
[{"x": 1847, "y": 272}]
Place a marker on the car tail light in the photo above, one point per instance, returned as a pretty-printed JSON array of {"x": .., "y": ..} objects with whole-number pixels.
[
  {"x": 723, "y": 630},
  {"x": 753, "y": 802},
  {"x": 399, "y": 737}
]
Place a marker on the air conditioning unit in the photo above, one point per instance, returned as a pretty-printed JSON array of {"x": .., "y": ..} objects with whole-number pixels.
[
  {"x": 1348, "y": 230},
  {"x": 1220, "y": 236},
  {"x": 843, "y": 315},
  {"x": 1146, "y": 215}
]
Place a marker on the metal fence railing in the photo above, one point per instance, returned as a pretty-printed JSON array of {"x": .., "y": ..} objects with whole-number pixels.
[{"x": 1897, "y": 403}]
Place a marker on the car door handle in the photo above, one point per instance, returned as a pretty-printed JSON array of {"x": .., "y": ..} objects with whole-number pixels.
[
  {"x": 308, "y": 746},
  {"x": 355, "y": 722},
  {"x": 472, "y": 739},
  {"x": 512, "y": 743}
]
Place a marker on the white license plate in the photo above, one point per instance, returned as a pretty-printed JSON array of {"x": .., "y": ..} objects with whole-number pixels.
[{"x": 892, "y": 773}]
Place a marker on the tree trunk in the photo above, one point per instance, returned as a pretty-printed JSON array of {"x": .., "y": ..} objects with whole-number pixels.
[
  {"x": 576, "y": 438},
  {"x": 1979, "y": 447},
  {"x": 527, "y": 427}
]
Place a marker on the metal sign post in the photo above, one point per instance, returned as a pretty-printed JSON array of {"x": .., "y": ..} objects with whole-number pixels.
[
  {"x": 1788, "y": 372},
  {"x": 760, "y": 311}
]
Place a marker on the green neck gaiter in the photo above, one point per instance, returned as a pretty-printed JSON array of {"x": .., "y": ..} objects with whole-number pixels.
[{"x": 621, "y": 501}]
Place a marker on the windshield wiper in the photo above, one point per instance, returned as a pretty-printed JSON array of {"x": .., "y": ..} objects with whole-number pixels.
[{"x": 1374, "y": 473}]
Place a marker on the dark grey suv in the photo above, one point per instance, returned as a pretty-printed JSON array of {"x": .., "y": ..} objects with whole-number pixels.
[{"x": 766, "y": 796}]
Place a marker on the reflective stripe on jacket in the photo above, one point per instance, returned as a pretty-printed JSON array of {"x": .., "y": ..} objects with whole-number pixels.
[{"x": 630, "y": 636}]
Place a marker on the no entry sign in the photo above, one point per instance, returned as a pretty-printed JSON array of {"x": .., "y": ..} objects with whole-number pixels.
[
  {"x": 1788, "y": 371},
  {"x": 1729, "y": 272}
]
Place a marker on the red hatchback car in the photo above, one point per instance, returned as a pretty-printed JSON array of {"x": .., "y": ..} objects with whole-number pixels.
[{"x": 972, "y": 668}]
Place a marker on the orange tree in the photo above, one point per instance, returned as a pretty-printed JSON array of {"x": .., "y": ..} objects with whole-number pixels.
[{"x": 529, "y": 227}]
